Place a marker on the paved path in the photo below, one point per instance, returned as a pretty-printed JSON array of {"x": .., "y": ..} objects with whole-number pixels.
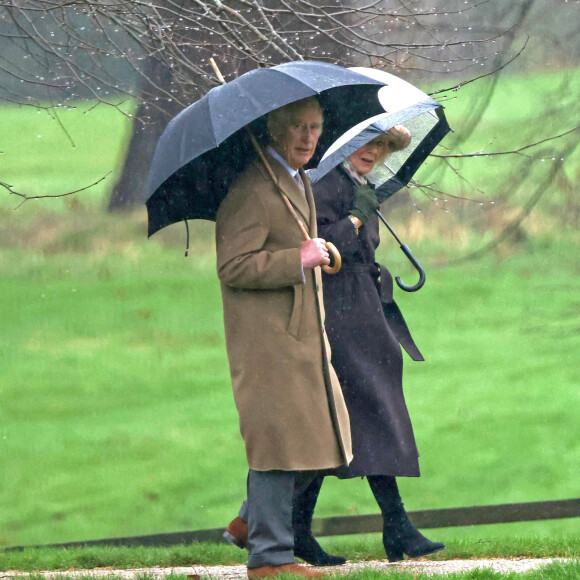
[{"x": 239, "y": 572}]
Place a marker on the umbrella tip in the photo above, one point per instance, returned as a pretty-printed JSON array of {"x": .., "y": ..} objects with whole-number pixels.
[{"x": 187, "y": 239}]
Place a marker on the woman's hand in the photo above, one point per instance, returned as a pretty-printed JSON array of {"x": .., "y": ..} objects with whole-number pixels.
[
  {"x": 314, "y": 253},
  {"x": 365, "y": 203}
]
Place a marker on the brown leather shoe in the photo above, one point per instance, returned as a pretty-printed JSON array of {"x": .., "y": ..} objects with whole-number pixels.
[
  {"x": 273, "y": 571},
  {"x": 237, "y": 533}
]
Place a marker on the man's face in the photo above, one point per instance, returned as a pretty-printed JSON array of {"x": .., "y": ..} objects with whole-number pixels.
[{"x": 298, "y": 145}]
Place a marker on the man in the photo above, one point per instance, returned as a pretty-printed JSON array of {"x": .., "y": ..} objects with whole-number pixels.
[{"x": 292, "y": 414}]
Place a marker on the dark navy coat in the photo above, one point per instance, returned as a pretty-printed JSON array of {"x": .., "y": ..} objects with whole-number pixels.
[{"x": 366, "y": 331}]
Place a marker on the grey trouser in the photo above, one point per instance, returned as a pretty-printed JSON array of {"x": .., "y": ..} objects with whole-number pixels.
[{"x": 268, "y": 512}]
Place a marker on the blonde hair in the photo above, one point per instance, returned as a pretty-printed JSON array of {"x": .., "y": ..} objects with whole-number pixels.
[
  {"x": 397, "y": 139},
  {"x": 280, "y": 119}
]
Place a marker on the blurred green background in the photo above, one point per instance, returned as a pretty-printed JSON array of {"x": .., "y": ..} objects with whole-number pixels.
[{"x": 116, "y": 413}]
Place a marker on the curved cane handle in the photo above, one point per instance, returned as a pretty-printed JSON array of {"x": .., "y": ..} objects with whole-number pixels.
[{"x": 336, "y": 258}]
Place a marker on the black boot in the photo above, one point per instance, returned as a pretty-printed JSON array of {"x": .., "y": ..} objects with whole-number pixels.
[
  {"x": 305, "y": 545},
  {"x": 400, "y": 536}
]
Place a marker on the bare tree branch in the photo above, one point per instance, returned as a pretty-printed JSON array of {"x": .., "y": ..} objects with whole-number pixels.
[
  {"x": 518, "y": 151},
  {"x": 156, "y": 53},
  {"x": 27, "y": 197}
]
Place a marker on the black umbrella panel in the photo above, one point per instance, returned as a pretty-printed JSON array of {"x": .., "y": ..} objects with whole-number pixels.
[{"x": 206, "y": 146}]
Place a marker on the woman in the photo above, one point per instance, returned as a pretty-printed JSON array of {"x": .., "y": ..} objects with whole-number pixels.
[{"x": 365, "y": 328}]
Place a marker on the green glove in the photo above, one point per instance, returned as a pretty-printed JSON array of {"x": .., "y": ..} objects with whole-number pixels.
[{"x": 365, "y": 203}]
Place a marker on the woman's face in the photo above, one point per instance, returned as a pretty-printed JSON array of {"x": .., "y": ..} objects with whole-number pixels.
[
  {"x": 301, "y": 137},
  {"x": 364, "y": 159}
]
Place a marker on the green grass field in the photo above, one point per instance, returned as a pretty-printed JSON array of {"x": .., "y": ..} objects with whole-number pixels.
[
  {"x": 118, "y": 418},
  {"x": 116, "y": 413},
  {"x": 40, "y": 158},
  {"x": 359, "y": 549}
]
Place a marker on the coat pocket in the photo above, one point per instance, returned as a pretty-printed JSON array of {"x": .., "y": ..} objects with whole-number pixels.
[{"x": 296, "y": 316}]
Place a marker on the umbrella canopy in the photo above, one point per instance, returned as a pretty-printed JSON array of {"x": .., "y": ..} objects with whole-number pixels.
[
  {"x": 404, "y": 105},
  {"x": 205, "y": 147}
]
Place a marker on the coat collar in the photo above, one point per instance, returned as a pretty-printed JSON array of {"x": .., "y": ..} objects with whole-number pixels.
[{"x": 302, "y": 202}]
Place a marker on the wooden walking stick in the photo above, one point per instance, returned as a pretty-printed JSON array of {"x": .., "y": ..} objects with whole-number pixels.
[{"x": 332, "y": 249}]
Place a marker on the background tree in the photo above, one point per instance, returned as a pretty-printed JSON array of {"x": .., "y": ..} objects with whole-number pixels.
[{"x": 156, "y": 52}]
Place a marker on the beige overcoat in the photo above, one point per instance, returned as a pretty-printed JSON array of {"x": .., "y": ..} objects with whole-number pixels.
[{"x": 291, "y": 408}]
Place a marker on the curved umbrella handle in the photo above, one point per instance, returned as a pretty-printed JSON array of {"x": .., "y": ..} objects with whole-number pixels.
[
  {"x": 419, "y": 269},
  {"x": 336, "y": 258},
  {"x": 407, "y": 253}
]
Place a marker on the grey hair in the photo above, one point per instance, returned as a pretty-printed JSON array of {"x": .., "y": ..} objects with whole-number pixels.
[{"x": 280, "y": 119}]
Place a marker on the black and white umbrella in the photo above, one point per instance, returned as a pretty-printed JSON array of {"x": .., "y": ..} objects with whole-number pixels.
[{"x": 406, "y": 105}]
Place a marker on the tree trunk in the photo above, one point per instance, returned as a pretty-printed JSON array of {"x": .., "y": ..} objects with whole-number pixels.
[{"x": 150, "y": 121}]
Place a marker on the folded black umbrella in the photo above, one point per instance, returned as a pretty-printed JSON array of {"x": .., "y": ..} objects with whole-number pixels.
[{"x": 205, "y": 147}]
